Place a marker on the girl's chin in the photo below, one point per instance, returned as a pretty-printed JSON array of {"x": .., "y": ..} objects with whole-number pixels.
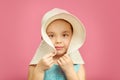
[{"x": 60, "y": 53}]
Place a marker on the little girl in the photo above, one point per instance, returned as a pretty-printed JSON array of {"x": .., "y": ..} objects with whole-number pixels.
[{"x": 58, "y": 57}]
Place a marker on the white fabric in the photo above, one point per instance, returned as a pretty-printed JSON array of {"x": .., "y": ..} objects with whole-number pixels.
[{"x": 77, "y": 40}]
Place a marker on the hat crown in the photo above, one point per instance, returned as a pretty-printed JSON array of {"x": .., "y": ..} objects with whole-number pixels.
[{"x": 52, "y": 13}]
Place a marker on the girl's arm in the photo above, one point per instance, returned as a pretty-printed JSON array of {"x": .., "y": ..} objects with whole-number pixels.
[
  {"x": 66, "y": 64},
  {"x": 34, "y": 73},
  {"x": 72, "y": 75},
  {"x": 81, "y": 72},
  {"x": 30, "y": 71}
]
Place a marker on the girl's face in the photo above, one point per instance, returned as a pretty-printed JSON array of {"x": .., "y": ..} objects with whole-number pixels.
[{"x": 60, "y": 33}]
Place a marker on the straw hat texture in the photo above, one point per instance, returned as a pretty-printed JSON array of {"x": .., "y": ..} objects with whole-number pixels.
[{"x": 77, "y": 40}]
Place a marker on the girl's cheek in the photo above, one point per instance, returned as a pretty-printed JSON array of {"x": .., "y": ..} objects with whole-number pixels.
[
  {"x": 53, "y": 41},
  {"x": 67, "y": 42}
]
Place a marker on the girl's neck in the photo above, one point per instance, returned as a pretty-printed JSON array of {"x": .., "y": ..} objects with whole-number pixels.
[{"x": 56, "y": 57}]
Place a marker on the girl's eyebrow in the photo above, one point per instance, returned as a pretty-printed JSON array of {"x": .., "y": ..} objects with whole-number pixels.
[
  {"x": 66, "y": 31},
  {"x": 50, "y": 32}
]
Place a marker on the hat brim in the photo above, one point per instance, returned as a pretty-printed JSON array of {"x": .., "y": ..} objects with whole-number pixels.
[{"x": 78, "y": 37}]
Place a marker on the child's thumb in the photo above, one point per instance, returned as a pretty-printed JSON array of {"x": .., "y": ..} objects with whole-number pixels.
[{"x": 54, "y": 53}]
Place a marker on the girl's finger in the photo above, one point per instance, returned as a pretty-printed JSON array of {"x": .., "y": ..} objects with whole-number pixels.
[
  {"x": 51, "y": 62},
  {"x": 62, "y": 60},
  {"x": 49, "y": 58},
  {"x": 49, "y": 55},
  {"x": 65, "y": 58},
  {"x": 59, "y": 63},
  {"x": 53, "y": 54}
]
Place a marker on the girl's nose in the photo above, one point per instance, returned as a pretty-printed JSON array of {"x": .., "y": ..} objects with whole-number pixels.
[{"x": 58, "y": 39}]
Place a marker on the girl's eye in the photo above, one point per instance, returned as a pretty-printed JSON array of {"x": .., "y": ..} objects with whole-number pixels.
[
  {"x": 65, "y": 35},
  {"x": 51, "y": 36}
]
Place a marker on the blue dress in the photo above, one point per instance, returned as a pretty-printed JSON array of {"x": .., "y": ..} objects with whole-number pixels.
[{"x": 56, "y": 73}]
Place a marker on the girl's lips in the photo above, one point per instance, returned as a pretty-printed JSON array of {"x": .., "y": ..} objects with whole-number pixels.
[{"x": 58, "y": 47}]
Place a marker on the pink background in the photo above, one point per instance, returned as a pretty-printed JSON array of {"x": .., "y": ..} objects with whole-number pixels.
[{"x": 20, "y": 35}]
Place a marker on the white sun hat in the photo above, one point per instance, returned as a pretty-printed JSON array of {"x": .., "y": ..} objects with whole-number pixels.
[{"x": 78, "y": 37}]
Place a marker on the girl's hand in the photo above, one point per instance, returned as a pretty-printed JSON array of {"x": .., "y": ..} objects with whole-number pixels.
[
  {"x": 46, "y": 62},
  {"x": 66, "y": 63}
]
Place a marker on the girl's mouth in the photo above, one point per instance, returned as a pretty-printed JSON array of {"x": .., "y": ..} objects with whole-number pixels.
[{"x": 58, "y": 47}]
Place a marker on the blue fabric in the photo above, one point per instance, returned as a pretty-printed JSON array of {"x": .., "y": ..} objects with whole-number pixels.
[{"x": 56, "y": 73}]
